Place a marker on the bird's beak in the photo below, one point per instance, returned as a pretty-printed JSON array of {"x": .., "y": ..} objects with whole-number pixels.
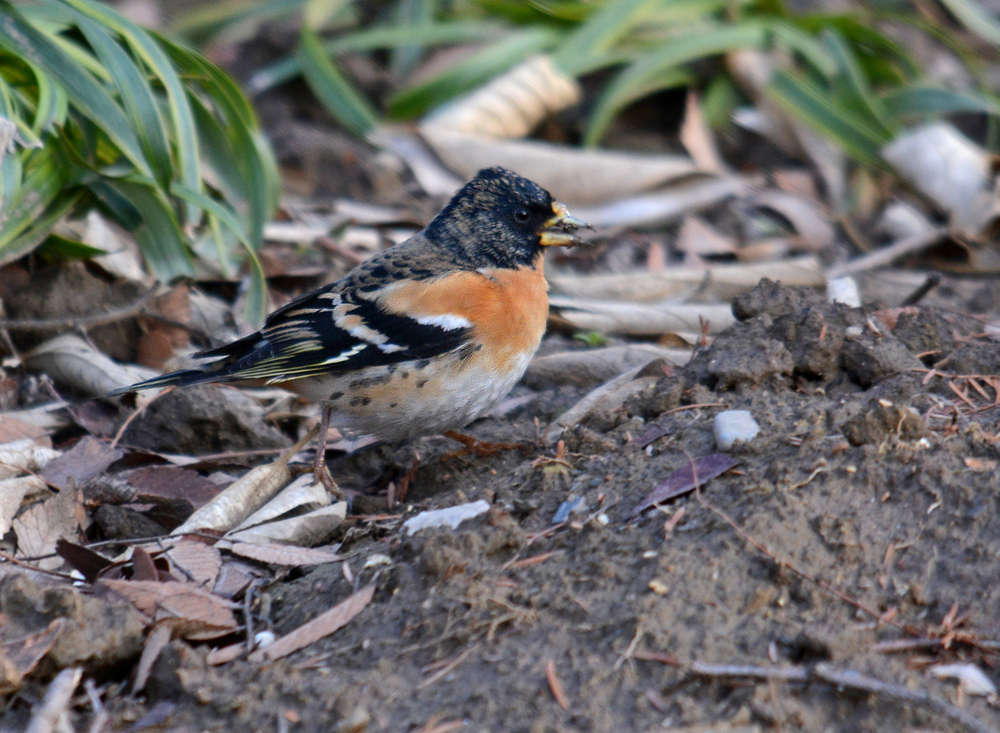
[{"x": 559, "y": 230}]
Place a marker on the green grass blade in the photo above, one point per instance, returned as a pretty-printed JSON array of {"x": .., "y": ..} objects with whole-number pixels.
[
  {"x": 45, "y": 174},
  {"x": 137, "y": 96},
  {"x": 256, "y": 307},
  {"x": 83, "y": 91},
  {"x": 40, "y": 228},
  {"x": 850, "y": 85},
  {"x": 804, "y": 100},
  {"x": 146, "y": 48},
  {"x": 639, "y": 78},
  {"x": 599, "y": 33},
  {"x": 470, "y": 73},
  {"x": 159, "y": 237},
  {"x": 971, "y": 14},
  {"x": 927, "y": 101},
  {"x": 343, "y": 101}
]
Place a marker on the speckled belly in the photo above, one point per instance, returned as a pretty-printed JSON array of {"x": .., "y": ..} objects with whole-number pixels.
[{"x": 414, "y": 398}]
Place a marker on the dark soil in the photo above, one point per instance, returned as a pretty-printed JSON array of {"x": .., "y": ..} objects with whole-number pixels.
[{"x": 869, "y": 475}]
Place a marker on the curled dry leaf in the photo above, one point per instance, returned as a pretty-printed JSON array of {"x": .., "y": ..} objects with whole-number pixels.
[
  {"x": 642, "y": 319},
  {"x": 55, "y": 705},
  {"x": 72, "y": 362},
  {"x": 510, "y": 106},
  {"x": 312, "y": 528},
  {"x": 302, "y": 493},
  {"x": 720, "y": 282},
  {"x": 321, "y": 626},
  {"x": 663, "y": 206}
]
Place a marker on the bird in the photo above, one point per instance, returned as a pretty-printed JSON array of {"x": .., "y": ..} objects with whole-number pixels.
[{"x": 421, "y": 339}]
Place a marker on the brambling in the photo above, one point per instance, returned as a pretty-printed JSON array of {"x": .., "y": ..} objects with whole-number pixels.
[{"x": 421, "y": 339}]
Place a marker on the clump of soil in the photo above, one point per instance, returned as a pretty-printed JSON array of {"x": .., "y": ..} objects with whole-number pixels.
[{"x": 864, "y": 511}]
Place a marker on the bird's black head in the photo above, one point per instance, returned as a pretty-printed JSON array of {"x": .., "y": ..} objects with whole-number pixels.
[{"x": 499, "y": 219}]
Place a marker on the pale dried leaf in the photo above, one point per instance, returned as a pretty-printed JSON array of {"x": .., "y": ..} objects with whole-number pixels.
[
  {"x": 72, "y": 362},
  {"x": 237, "y": 502},
  {"x": 697, "y": 237},
  {"x": 697, "y": 138},
  {"x": 665, "y": 205},
  {"x": 951, "y": 170},
  {"x": 13, "y": 493},
  {"x": 642, "y": 319},
  {"x": 807, "y": 218},
  {"x": 722, "y": 282},
  {"x": 585, "y": 406},
  {"x": 577, "y": 177},
  {"x": 288, "y": 555},
  {"x": 12, "y": 430},
  {"x": 156, "y": 642},
  {"x": 49, "y": 417},
  {"x": 195, "y": 561},
  {"x": 123, "y": 258},
  {"x": 302, "y": 493},
  {"x": 971, "y": 678},
  {"x": 82, "y": 462},
  {"x": 310, "y": 529},
  {"x": 234, "y": 578},
  {"x": 321, "y": 626},
  {"x": 47, "y": 715},
  {"x": 225, "y": 654},
  {"x": 451, "y": 517},
  {"x": 24, "y": 455},
  {"x": 39, "y": 527}
]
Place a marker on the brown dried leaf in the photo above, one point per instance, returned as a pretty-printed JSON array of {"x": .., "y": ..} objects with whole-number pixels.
[
  {"x": 321, "y": 626},
  {"x": 283, "y": 554},
  {"x": 87, "y": 562},
  {"x": 313, "y": 528},
  {"x": 156, "y": 642},
  {"x": 981, "y": 464},
  {"x": 171, "y": 482},
  {"x": 697, "y": 237},
  {"x": 13, "y": 492},
  {"x": 555, "y": 685},
  {"x": 225, "y": 654},
  {"x": 196, "y": 561},
  {"x": 12, "y": 429},
  {"x": 684, "y": 479},
  {"x": 85, "y": 460},
  {"x": 196, "y": 613},
  {"x": 697, "y": 138}
]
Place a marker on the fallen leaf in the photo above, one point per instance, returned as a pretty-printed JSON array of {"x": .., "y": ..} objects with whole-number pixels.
[
  {"x": 195, "y": 561},
  {"x": 156, "y": 642},
  {"x": 312, "y": 528},
  {"x": 288, "y": 555},
  {"x": 981, "y": 464},
  {"x": 555, "y": 685},
  {"x": 41, "y": 526},
  {"x": 19, "y": 656},
  {"x": 198, "y": 614},
  {"x": 321, "y": 626},
  {"x": 684, "y": 479},
  {"x": 23, "y": 455},
  {"x": 82, "y": 462},
  {"x": 13, "y": 493},
  {"x": 697, "y": 237},
  {"x": 85, "y": 561},
  {"x": 171, "y": 482},
  {"x": 12, "y": 429}
]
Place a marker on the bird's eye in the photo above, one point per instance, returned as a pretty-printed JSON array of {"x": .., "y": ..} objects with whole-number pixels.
[{"x": 522, "y": 216}]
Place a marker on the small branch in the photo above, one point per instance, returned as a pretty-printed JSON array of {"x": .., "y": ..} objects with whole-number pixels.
[
  {"x": 55, "y": 704},
  {"x": 98, "y": 319}
]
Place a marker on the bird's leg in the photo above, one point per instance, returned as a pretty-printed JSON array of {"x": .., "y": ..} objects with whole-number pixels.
[
  {"x": 479, "y": 447},
  {"x": 320, "y": 471}
]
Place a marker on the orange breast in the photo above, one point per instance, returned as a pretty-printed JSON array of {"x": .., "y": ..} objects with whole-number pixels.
[{"x": 508, "y": 308}]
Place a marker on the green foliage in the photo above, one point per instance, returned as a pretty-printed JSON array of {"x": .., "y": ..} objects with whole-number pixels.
[{"x": 112, "y": 116}]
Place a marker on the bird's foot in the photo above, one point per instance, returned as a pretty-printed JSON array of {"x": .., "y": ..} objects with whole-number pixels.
[
  {"x": 478, "y": 447},
  {"x": 321, "y": 474}
]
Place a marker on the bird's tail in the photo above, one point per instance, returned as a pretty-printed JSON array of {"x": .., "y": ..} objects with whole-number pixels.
[{"x": 181, "y": 378}]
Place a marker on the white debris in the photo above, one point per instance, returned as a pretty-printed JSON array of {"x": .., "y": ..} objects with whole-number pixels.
[
  {"x": 375, "y": 560},
  {"x": 732, "y": 426},
  {"x": 843, "y": 290},
  {"x": 970, "y": 678},
  {"x": 450, "y": 517}
]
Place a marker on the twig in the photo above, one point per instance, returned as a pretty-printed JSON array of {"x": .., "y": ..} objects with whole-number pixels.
[
  {"x": 98, "y": 319},
  {"x": 445, "y": 670},
  {"x": 844, "y": 679},
  {"x": 56, "y": 701},
  {"x": 101, "y": 716}
]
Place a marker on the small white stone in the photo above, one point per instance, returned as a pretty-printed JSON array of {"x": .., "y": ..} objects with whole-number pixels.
[
  {"x": 732, "y": 426},
  {"x": 263, "y": 638},
  {"x": 843, "y": 290},
  {"x": 853, "y": 332},
  {"x": 450, "y": 517}
]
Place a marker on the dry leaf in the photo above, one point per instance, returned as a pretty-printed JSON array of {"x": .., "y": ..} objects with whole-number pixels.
[
  {"x": 302, "y": 493},
  {"x": 697, "y": 138},
  {"x": 19, "y": 656},
  {"x": 195, "y": 561},
  {"x": 312, "y": 528},
  {"x": 72, "y": 362},
  {"x": 283, "y": 554},
  {"x": 195, "y": 613},
  {"x": 981, "y": 464},
  {"x": 555, "y": 685},
  {"x": 225, "y": 654},
  {"x": 13, "y": 493},
  {"x": 13, "y": 429},
  {"x": 156, "y": 642},
  {"x": 590, "y": 367},
  {"x": 39, "y": 527},
  {"x": 697, "y": 237},
  {"x": 642, "y": 319},
  {"x": 321, "y": 626},
  {"x": 82, "y": 462},
  {"x": 24, "y": 455},
  {"x": 815, "y": 231}
]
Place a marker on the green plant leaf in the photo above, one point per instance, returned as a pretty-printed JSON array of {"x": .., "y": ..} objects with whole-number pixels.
[
  {"x": 159, "y": 236},
  {"x": 850, "y": 87},
  {"x": 805, "y": 100},
  {"x": 927, "y": 101},
  {"x": 599, "y": 33},
  {"x": 331, "y": 88},
  {"x": 640, "y": 78},
  {"x": 470, "y": 73},
  {"x": 60, "y": 248},
  {"x": 40, "y": 228},
  {"x": 971, "y": 14}
]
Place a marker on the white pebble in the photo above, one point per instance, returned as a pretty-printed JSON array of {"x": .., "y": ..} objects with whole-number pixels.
[
  {"x": 263, "y": 638},
  {"x": 843, "y": 290},
  {"x": 734, "y": 425}
]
